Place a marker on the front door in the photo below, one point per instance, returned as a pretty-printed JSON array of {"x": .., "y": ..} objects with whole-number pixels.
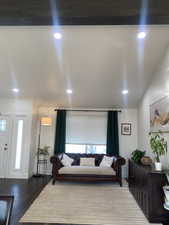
[{"x": 4, "y": 145}]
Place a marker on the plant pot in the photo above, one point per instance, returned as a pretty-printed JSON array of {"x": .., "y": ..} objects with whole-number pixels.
[
  {"x": 158, "y": 166},
  {"x": 41, "y": 157}
]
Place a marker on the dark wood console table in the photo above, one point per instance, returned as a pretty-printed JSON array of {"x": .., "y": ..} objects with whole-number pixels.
[{"x": 146, "y": 184}]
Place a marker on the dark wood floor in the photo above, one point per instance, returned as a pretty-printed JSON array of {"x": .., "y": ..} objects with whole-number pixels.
[{"x": 25, "y": 192}]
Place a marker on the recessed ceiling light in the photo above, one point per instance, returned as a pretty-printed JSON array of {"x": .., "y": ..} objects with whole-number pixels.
[
  {"x": 16, "y": 90},
  {"x": 58, "y": 35},
  {"x": 69, "y": 91},
  {"x": 125, "y": 92},
  {"x": 141, "y": 35}
]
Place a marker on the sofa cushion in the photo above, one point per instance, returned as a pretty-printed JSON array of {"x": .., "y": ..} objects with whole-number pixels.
[
  {"x": 87, "y": 161},
  {"x": 66, "y": 160},
  {"x": 77, "y": 156},
  {"x": 106, "y": 161},
  {"x": 87, "y": 170}
]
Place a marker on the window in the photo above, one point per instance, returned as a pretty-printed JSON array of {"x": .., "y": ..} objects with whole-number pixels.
[
  {"x": 84, "y": 148},
  {"x": 19, "y": 144},
  {"x": 2, "y": 125},
  {"x": 86, "y": 132},
  {"x": 75, "y": 148}
]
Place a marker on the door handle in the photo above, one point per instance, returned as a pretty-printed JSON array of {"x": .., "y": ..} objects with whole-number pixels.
[{"x": 5, "y": 149}]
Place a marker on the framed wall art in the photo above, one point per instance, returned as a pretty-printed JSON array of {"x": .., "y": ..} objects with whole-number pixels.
[
  {"x": 126, "y": 129},
  {"x": 159, "y": 115}
]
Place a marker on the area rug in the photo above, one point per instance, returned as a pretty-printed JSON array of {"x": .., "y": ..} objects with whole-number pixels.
[{"x": 74, "y": 203}]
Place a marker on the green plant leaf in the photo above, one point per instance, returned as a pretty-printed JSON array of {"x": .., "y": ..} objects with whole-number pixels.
[{"x": 158, "y": 145}]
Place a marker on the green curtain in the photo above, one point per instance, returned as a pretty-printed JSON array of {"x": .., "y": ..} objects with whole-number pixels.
[
  {"x": 60, "y": 134},
  {"x": 112, "y": 133}
]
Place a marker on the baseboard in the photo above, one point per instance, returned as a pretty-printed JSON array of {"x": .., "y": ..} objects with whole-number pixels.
[{"x": 21, "y": 176}]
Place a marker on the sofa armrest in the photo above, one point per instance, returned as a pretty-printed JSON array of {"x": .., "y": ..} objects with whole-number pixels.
[
  {"x": 56, "y": 164},
  {"x": 118, "y": 162}
]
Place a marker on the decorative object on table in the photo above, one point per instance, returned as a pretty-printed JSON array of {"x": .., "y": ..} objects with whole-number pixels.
[
  {"x": 44, "y": 121},
  {"x": 137, "y": 155},
  {"x": 159, "y": 148},
  {"x": 146, "y": 160},
  {"x": 159, "y": 115},
  {"x": 166, "y": 192},
  {"x": 44, "y": 152},
  {"x": 126, "y": 129},
  {"x": 167, "y": 175}
]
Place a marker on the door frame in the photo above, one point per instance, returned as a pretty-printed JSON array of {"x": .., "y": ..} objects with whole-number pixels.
[{"x": 9, "y": 140}]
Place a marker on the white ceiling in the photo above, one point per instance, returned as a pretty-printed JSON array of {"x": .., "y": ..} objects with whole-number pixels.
[{"x": 96, "y": 62}]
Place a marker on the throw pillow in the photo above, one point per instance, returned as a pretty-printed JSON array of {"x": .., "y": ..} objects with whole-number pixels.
[
  {"x": 106, "y": 161},
  {"x": 87, "y": 161},
  {"x": 66, "y": 160}
]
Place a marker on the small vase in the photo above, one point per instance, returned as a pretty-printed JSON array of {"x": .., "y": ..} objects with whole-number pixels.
[
  {"x": 145, "y": 160},
  {"x": 158, "y": 166}
]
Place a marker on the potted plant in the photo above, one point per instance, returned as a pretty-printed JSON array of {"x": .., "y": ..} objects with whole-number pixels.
[
  {"x": 159, "y": 148},
  {"x": 43, "y": 152},
  {"x": 137, "y": 155}
]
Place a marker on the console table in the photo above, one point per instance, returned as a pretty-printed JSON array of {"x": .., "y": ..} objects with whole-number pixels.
[{"x": 146, "y": 184}]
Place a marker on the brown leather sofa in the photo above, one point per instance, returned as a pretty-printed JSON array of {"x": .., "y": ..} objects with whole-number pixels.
[{"x": 57, "y": 165}]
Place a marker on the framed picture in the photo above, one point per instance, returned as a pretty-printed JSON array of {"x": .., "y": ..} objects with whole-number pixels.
[
  {"x": 126, "y": 128},
  {"x": 159, "y": 115}
]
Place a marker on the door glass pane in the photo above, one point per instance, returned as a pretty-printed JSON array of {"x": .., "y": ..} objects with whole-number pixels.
[
  {"x": 2, "y": 125},
  {"x": 19, "y": 144}
]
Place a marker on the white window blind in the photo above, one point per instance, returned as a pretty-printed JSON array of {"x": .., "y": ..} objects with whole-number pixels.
[{"x": 86, "y": 127}]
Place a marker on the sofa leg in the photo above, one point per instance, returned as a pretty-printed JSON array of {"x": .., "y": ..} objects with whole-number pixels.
[{"x": 53, "y": 182}]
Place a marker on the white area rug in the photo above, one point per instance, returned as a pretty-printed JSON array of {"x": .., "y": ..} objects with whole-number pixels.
[{"x": 75, "y": 203}]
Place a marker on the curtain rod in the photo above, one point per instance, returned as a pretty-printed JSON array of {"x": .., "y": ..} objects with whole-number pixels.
[{"x": 88, "y": 110}]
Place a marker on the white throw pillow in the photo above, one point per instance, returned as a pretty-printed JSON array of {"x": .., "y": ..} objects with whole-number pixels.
[
  {"x": 66, "y": 160},
  {"x": 106, "y": 161},
  {"x": 87, "y": 161}
]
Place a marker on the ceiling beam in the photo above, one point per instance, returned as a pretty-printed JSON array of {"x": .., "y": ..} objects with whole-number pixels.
[{"x": 83, "y": 12}]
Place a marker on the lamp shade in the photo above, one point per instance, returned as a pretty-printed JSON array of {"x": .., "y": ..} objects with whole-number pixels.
[{"x": 46, "y": 121}]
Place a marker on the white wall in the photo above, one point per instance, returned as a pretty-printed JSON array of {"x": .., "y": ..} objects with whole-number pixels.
[
  {"x": 127, "y": 143},
  {"x": 47, "y": 134},
  {"x": 33, "y": 114},
  {"x": 158, "y": 89},
  {"x": 33, "y": 144},
  {"x": 14, "y": 109}
]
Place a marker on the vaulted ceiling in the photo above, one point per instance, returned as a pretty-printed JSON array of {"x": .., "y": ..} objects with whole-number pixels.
[{"x": 96, "y": 62}]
